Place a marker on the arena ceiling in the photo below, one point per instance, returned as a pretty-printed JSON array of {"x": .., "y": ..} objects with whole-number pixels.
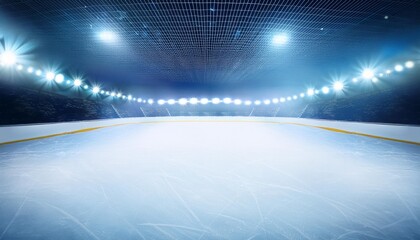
[{"x": 212, "y": 44}]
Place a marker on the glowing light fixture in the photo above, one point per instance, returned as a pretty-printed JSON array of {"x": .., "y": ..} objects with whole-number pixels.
[
  {"x": 112, "y": 93},
  {"x": 77, "y": 82},
  {"x": 368, "y": 73},
  {"x": 161, "y": 102},
  {"x": 409, "y": 64},
  {"x": 129, "y": 96},
  {"x": 182, "y": 101},
  {"x": 19, "y": 67},
  {"x": 375, "y": 79},
  {"x": 310, "y": 92},
  {"x": 171, "y": 101},
  {"x": 59, "y": 78},
  {"x": 302, "y": 95},
  {"x": 96, "y": 89},
  {"x": 30, "y": 70},
  {"x": 38, "y": 72},
  {"x": 275, "y": 100},
  {"x": 108, "y": 36},
  {"x": 8, "y": 58},
  {"x": 338, "y": 86},
  {"x": 215, "y": 100},
  {"x": 399, "y": 68},
  {"x": 227, "y": 100},
  {"x": 280, "y": 39},
  {"x": 247, "y": 102},
  {"x": 257, "y": 102},
  {"x": 295, "y": 97},
  {"x": 355, "y": 80},
  {"x": 282, "y": 100},
  {"x": 325, "y": 90},
  {"x": 204, "y": 101},
  {"x": 237, "y": 101},
  {"x": 193, "y": 101},
  {"x": 150, "y": 101},
  {"x": 50, "y": 76}
]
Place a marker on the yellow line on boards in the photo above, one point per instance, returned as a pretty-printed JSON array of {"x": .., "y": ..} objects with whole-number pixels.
[{"x": 189, "y": 121}]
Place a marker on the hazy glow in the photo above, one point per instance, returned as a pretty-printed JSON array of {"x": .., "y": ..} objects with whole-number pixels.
[
  {"x": 275, "y": 100},
  {"x": 193, "y": 100},
  {"x": 59, "y": 78},
  {"x": 237, "y": 101},
  {"x": 171, "y": 101},
  {"x": 30, "y": 69},
  {"x": 161, "y": 102},
  {"x": 398, "y": 68},
  {"x": 388, "y": 71},
  {"x": 282, "y": 99},
  {"x": 215, "y": 100},
  {"x": 355, "y": 80},
  {"x": 247, "y": 102},
  {"x": 409, "y": 64},
  {"x": 50, "y": 76},
  {"x": 310, "y": 92},
  {"x": 302, "y": 95},
  {"x": 295, "y": 97},
  {"x": 38, "y": 72},
  {"x": 150, "y": 101},
  {"x": 368, "y": 73},
  {"x": 8, "y": 58},
  {"x": 289, "y": 98},
  {"x": 375, "y": 79},
  {"x": 96, "y": 89},
  {"x": 19, "y": 67},
  {"x": 77, "y": 82},
  {"x": 227, "y": 100},
  {"x": 86, "y": 87},
  {"x": 108, "y": 36},
  {"x": 280, "y": 39},
  {"x": 112, "y": 93},
  {"x": 257, "y": 102},
  {"x": 129, "y": 96},
  {"x": 325, "y": 90},
  {"x": 204, "y": 101},
  {"x": 338, "y": 86},
  {"x": 182, "y": 101}
]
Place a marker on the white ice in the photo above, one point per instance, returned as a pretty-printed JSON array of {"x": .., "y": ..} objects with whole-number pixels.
[{"x": 210, "y": 180}]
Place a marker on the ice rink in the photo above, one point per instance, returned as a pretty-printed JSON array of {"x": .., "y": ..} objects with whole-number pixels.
[{"x": 210, "y": 180}]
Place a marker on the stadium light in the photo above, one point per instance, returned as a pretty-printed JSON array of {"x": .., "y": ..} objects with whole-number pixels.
[
  {"x": 282, "y": 100},
  {"x": 30, "y": 70},
  {"x": 129, "y": 97},
  {"x": 150, "y": 101},
  {"x": 193, "y": 101},
  {"x": 409, "y": 64},
  {"x": 161, "y": 101},
  {"x": 119, "y": 95},
  {"x": 86, "y": 87},
  {"x": 257, "y": 102},
  {"x": 19, "y": 67},
  {"x": 368, "y": 73},
  {"x": 108, "y": 36},
  {"x": 338, "y": 86},
  {"x": 280, "y": 39},
  {"x": 295, "y": 97},
  {"x": 204, "y": 101},
  {"x": 38, "y": 72},
  {"x": 247, "y": 102},
  {"x": 59, "y": 78},
  {"x": 50, "y": 76},
  {"x": 77, "y": 82},
  {"x": 375, "y": 79},
  {"x": 8, "y": 58},
  {"x": 237, "y": 101},
  {"x": 227, "y": 100},
  {"x": 302, "y": 95},
  {"x": 289, "y": 98},
  {"x": 388, "y": 71},
  {"x": 112, "y": 93},
  {"x": 325, "y": 90},
  {"x": 275, "y": 100},
  {"x": 171, "y": 101},
  {"x": 399, "y": 68},
  {"x": 182, "y": 101},
  {"x": 355, "y": 80},
  {"x": 96, "y": 89},
  {"x": 215, "y": 100},
  {"x": 310, "y": 92}
]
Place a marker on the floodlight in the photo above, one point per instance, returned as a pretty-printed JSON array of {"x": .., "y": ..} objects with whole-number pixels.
[
  {"x": 227, "y": 100},
  {"x": 375, "y": 79},
  {"x": 112, "y": 93},
  {"x": 204, "y": 101},
  {"x": 310, "y": 92},
  {"x": 77, "y": 82},
  {"x": 325, "y": 90},
  {"x": 267, "y": 101},
  {"x": 108, "y": 36},
  {"x": 123, "y": 97},
  {"x": 316, "y": 91},
  {"x": 257, "y": 102},
  {"x": 398, "y": 68},
  {"x": 193, "y": 101},
  {"x": 59, "y": 78},
  {"x": 275, "y": 100},
  {"x": 409, "y": 64},
  {"x": 38, "y": 72},
  {"x": 30, "y": 70},
  {"x": 295, "y": 97},
  {"x": 161, "y": 101},
  {"x": 247, "y": 102},
  {"x": 138, "y": 100},
  {"x": 355, "y": 80},
  {"x": 119, "y": 95},
  {"x": 237, "y": 101},
  {"x": 215, "y": 100},
  {"x": 50, "y": 76},
  {"x": 289, "y": 98},
  {"x": 388, "y": 71},
  {"x": 96, "y": 89},
  {"x": 8, "y": 58},
  {"x": 150, "y": 101},
  {"x": 171, "y": 101},
  {"x": 85, "y": 87},
  {"x": 182, "y": 101},
  {"x": 302, "y": 95},
  {"x": 107, "y": 93},
  {"x": 282, "y": 100},
  {"x": 68, "y": 82},
  {"x": 19, "y": 67},
  {"x": 380, "y": 74},
  {"x": 129, "y": 97},
  {"x": 338, "y": 86},
  {"x": 368, "y": 73},
  {"x": 280, "y": 39}
]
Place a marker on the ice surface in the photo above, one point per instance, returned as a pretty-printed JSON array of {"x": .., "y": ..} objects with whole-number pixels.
[{"x": 210, "y": 180}]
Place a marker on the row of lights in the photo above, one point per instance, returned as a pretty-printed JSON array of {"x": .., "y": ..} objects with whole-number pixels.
[{"x": 9, "y": 59}]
